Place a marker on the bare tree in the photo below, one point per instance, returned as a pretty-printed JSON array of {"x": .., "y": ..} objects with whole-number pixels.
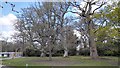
[
  {"x": 38, "y": 23},
  {"x": 60, "y": 9}
]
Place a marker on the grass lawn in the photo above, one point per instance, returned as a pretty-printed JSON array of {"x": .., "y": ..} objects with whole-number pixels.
[
  {"x": 3, "y": 57},
  {"x": 60, "y": 61}
]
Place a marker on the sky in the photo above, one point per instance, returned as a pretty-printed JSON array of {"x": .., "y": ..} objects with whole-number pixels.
[{"x": 8, "y": 18}]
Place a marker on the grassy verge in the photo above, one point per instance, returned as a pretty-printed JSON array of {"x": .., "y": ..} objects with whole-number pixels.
[
  {"x": 60, "y": 61},
  {"x": 3, "y": 57}
]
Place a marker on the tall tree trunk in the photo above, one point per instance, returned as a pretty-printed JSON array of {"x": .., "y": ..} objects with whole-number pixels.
[
  {"x": 42, "y": 53},
  {"x": 93, "y": 48},
  {"x": 65, "y": 47},
  {"x": 23, "y": 46},
  {"x": 77, "y": 50},
  {"x": 50, "y": 53},
  {"x": 65, "y": 53}
]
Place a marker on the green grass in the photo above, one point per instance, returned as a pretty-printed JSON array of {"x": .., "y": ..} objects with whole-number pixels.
[
  {"x": 3, "y": 57},
  {"x": 60, "y": 61}
]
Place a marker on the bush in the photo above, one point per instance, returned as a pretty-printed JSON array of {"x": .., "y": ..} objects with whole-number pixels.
[
  {"x": 72, "y": 52},
  {"x": 31, "y": 52},
  {"x": 84, "y": 51},
  {"x": 58, "y": 53}
]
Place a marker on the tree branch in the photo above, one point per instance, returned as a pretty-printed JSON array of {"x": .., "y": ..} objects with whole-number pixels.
[
  {"x": 98, "y": 7},
  {"x": 1, "y": 6},
  {"x": 12, "y": 5},
  {"x": 78, "y": 6}
]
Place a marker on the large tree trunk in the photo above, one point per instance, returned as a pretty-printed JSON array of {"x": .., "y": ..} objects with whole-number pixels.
[
  {"x": 65, "y": 47},
  {"x": 65, "y": 53},
  {"x": 93, "y": 48},
  {"x": 77, "y": 50},
  {"x": 42, "y": 53},
  {"x": 77, "y": 53},
  {"x": 50, "y": 53}
]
